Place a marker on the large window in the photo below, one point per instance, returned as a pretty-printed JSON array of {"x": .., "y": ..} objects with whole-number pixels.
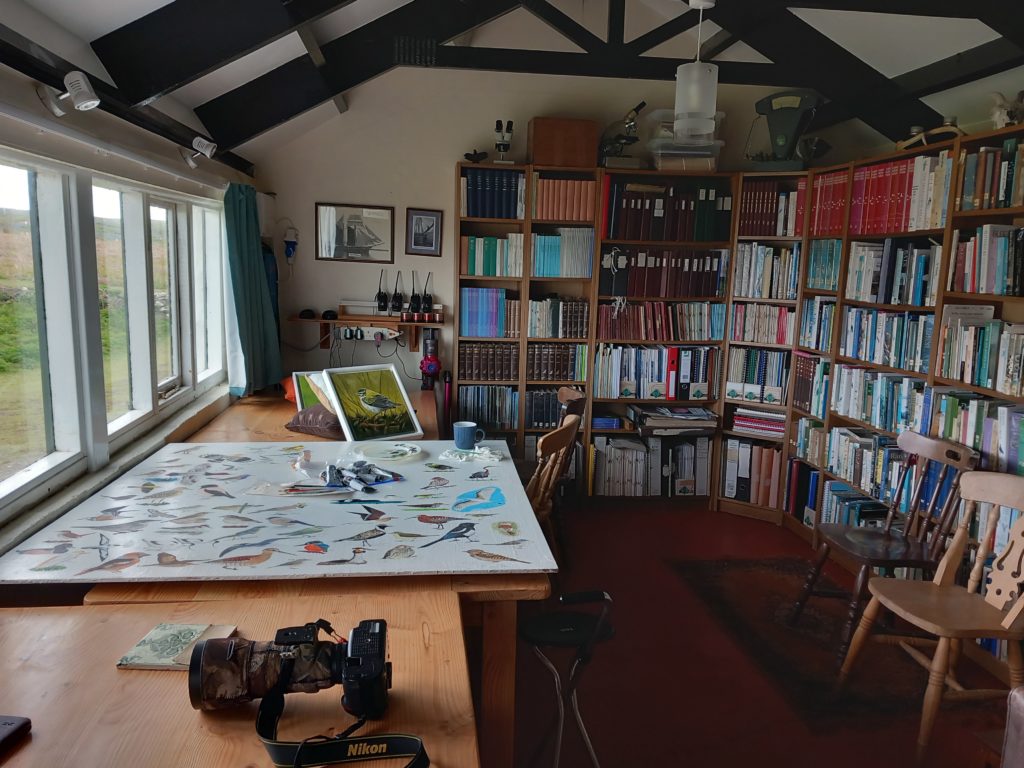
[{"x": 111, "y": 317}]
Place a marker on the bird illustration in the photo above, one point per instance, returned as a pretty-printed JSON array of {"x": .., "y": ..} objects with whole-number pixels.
[
  {"x": 511, "y": 543},
  {"x": 116, "y": 565},
  {"x": 238, "y": 519},
  {"x": 478, "y": 515},
  {"x": 363, "y": 501},
  {"x": 253, "y": 544},
  {"x": 237, "y": 508},
  {"x": 506, "y": 527},
  {"x": 60, "y": 549},
  {"x": 195, "y": 475},
  {"x": 426, "y": 495},
  {"x": 354, "y": 560},
  {"x": 110, "y": 513},
  {"x": 491, "y": 557},
  {"x": 439, "y": 467},
  {"x": 187, "y": 530},
  {"x": 437, "y": 482},
  {"x": 146, "y": 487},
  {"x": 374, "y": 401},
  {"x": 71, "y": 534},
  {"x": 240, "y": 561},
  {"x": 276, "y": 520},
  {"x": 193, "y": 519},
  {"x": 287, "y": 508},
  {"x": 241, "y": 534},
  {"x": 102, "y": 547},
  {"x": 366, "y": 536},
  {"x": 370, "y": 514},
  {"x": 289, "y": 564},
  {"x": 399, "y": 552},
  {"x": 212, "y": 489},
  {"x": 50, "y": 564},
  {"x": 237, "y": 458},
  {"x": 167, "y": 560},
  {"x": 133, "y": 526},
  {"x": 407, "y": 535},
  {"x": 460, "y": 531},
  {"x": 488, "y": 497},
  {"x": 170, "y": 493},
  {"x": 438, "y": 520},
  {"x": 481, "y": 474},
  {"x": 293, "y": 449},
  {"x": 311, "y": 530},
  {"x": 121, "y": 498},
  {"x": 425, "y": 505},
  {"x": 225, "y": 476},
  {"x": 316, "y": 547}
]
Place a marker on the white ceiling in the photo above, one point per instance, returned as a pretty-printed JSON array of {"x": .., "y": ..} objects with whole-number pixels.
[{"x": 880, "y": 40}]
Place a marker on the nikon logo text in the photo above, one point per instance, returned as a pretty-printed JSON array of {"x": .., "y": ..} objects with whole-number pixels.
[{"x": 362, "y": 748}]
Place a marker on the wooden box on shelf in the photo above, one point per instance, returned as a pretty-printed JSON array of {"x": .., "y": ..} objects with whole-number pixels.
[{"x": 563, "y": 142}]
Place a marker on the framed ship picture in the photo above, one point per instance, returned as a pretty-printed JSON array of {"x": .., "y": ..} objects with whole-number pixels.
[
  {"x": 423, "y": 232},
  {"x": 353, "y": 232},
  {"x": 371, "y": 403}
]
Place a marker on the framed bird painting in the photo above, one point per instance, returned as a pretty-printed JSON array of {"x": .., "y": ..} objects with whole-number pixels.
[{"x": 371, "y": 403}]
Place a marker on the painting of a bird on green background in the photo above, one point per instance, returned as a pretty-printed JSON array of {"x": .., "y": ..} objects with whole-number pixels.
[{"x": 373, "y": 402}]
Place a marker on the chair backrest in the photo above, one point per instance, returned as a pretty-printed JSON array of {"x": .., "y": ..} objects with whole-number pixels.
[
  {"x": 922, "y": 455},
  {"x": 573, "y": 403},
  {"x": 553, "y": 452},
  {"x": 1007, "y": 574}
]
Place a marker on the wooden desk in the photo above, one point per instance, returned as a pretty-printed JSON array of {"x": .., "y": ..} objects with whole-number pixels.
[
  {"x": 261, "y": 418},
  {"x": 58, "y": 669}
]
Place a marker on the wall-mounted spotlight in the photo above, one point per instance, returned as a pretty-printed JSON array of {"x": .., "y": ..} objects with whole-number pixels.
[
  {"x": 201, "y": 147},
  {"x": 79, "y": 91}
]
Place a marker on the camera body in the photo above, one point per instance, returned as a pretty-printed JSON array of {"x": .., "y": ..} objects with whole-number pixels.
[{"x": 227, "y": 672}]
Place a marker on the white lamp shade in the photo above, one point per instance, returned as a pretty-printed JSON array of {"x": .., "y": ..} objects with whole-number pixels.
[{"x": 696, "y": 99}]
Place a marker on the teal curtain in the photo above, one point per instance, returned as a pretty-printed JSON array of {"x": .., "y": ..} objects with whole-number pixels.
[{"x": 254, "y": 355}]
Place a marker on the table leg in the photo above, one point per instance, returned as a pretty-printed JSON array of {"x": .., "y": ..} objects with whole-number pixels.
[{"x": 498, "y": 684}]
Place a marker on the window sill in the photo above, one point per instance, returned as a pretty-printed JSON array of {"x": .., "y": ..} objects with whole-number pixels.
[{"x": 176, "y": 428}]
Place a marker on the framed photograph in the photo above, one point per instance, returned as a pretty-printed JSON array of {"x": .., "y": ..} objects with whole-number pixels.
[
  {"x": 309, "y": 390},
  {"x": 423, "y": 232},
  {"x": 371, "y": 403},
  {"x": 351, "y": 232}
]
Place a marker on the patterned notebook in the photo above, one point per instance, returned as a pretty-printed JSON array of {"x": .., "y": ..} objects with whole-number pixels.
[{"x": 169, "y": 646}]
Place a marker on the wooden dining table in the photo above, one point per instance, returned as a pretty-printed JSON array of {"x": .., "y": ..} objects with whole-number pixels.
[{"x": 58, "y": 667}]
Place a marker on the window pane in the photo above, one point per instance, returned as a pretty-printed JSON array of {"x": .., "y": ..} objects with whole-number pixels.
[
  {"x": 207, "y": 264},
  {"x": 113, "y": 298},
  {"x": 165, "y": 299},
  {"x": 23, "y": 411}
]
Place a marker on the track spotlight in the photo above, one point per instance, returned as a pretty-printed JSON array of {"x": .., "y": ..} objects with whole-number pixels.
[
  {"x": 202, "y": 147},
  {"x": 79, "y": 91}
]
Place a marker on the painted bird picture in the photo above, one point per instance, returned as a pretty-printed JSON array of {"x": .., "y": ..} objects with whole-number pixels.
[
  {"x": 366, "y": 536},
  {"x": 354, "y": 560},
  {"x": 316, "y": 547},
  {"x": 438, "y": 520},
  {"x": 278, "y": 520},
  {"x": 59, "y": 549},
  {"x": 246, "y": 561},
  {"x": 116, "y": 565},
  {"x": 458, "y": 533},
  {"x": 488, "y": 497},
  {"x": 252, "y": 545},
  {"x": 481, "y": 474},
  {"x": 399, "y": 552},
  {"x": 374, "y": 401},
  {"x": 438, "y": 467},
  {"x": 492, "y": 557},
  {"x": 212, "y": 489},
  {"x": 167, "y": 560},
  {"x": 370, "y": 514},
  {"x": 437, "y": 482}
]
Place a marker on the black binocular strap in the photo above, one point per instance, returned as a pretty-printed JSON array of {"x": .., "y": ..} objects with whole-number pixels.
[{"x": 330, "y": 750}]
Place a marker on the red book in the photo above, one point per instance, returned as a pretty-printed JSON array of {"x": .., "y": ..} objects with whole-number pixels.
[
  {"x": 857, "y": 201},
  {"x": 908, "y": 194},
  {"x": 672, "y": 368}
]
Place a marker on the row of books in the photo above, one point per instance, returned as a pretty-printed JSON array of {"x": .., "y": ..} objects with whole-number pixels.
[
  {"x": 843, "y": 505},
  {"x": 570, "y": 253},
  {"x": 492, "y": 193},
  {"x": 992, "y": 177},
  {"x": 751, "y": 472},
  {"x": 763, "y": 323},
  {"x": 828, "y": 204},
  {"x": 897, "y": 339},
  {"x": 811, "y": 440},
  {"x": 490, "y": 406},
  {"x": 555, "y": 362},
  {"x": 564, "y": 199},
  {"x": 884, "y": 400},
  {"x": 801, "y": 491},
  {"x": 887, "y": 273},
  {"x": 990, "y": 261},
  {"x": 650, "y": 467},
  {"x": 480, "y": 361},
  {"x": 542, "y": 409},
  {"x": 816, "y": 321},
  {"x": 868, "y": 461},
  {"x": 757, "y": 375},
  {"x": 901, "y": 195},
  {"x": 558, "y": 318},
  {"x": 488, "y": 313},
  {"x": 491, "y": 256},
  {"x": 662, "y": 321},
  {"x": 977, "y": 349},
  {"x": 768, "y": 210},
  {"x": 654, "y": 373},
  {"x": 811, "y": 383},
  {"x": 823, "y": 264},
  {"x": 675, "y": 212},
  {"x": 766, "y": 272},
  {"x": 759, "y": 422},
  {"x": 664, "y": 274}
]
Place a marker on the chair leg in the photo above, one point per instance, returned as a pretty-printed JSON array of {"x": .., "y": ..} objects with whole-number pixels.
[
  {"x": 579, "y": 718},
  {"x": 561, "y": 707},
  {"x": 932, "y": 697},
  {"x": 1015, "y": 663},
  {"x": 860, "y": 638},
  {"x": 812, "y": 578},
  {"x": 860, "y": 588},
  {"x": 955, "y": 648}
]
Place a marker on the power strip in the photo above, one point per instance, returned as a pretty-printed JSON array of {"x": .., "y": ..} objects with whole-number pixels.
[{"x": 365, "y": 333}]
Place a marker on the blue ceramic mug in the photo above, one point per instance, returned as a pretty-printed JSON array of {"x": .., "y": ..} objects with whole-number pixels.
[{"x": 467, "y": 435}]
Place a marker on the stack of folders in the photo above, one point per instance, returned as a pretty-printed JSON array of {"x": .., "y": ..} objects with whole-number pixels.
[
  {"x": 752, "y": 472},
  {"x": 672, "y": 421},
  {"x": 650, "y": 467}
]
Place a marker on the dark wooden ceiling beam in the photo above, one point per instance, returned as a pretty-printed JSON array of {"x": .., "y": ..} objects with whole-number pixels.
[
  {"x": 616, "y": 22},
  {"x": 662, "y": 34},
  {"x": 187, "y": 39},
  {"x": 1004, "y": 17},
  {"x": 416, "y": 28},
  {"x": 565, "y": 25},
  {"x": 34, "y": 61},
  {"x": 718, "y": 43},
  {"x": 941, "y": 8}
]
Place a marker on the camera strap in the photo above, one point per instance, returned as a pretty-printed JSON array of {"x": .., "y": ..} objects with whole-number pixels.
[{"x": 330, "y": 750}]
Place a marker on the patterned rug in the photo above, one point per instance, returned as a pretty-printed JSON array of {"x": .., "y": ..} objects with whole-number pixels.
[{"x": 753, "y": 599}]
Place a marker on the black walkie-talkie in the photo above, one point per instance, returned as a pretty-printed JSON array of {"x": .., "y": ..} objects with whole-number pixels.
[
  {"x": 396, "y": 297},
  {"x": 428, "y": 298},
  {"x": 382, "y": 296},
  {"x": 415, "y": 302}
]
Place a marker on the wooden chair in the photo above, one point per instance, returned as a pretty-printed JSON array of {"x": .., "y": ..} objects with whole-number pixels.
[
  {"x": 572, "y": 402},
  {"x": 917, "y": 543},
  {"x": 953, "y": 613},
  {"x": 554, "y": 451}
]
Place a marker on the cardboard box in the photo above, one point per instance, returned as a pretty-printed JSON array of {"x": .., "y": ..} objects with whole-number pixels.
[{"x": 563, "y": 142}]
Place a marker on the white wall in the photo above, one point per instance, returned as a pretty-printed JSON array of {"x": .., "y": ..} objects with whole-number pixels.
[{"x": 397, "y": 145}]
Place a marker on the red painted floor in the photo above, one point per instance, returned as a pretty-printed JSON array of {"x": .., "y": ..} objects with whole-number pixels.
[{"x": 672, "y": 688}]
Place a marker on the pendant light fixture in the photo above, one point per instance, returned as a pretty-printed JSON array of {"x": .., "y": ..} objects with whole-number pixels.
[{"x": 696, "y": 91}]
